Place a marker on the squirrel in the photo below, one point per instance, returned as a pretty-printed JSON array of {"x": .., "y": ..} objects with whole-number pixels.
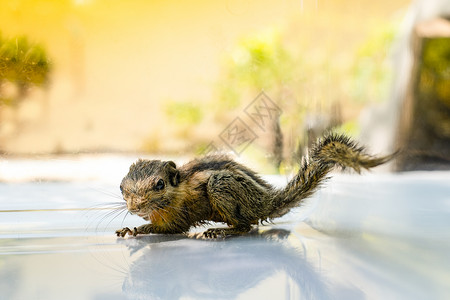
[{"x": 218, "y": 189}]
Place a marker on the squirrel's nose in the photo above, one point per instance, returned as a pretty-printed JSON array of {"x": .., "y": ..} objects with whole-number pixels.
[{"x": 133, "y": 206}]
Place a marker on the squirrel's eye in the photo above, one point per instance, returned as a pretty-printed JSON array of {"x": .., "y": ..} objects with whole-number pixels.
[
  {"x": 160, "y": 185},
  {"x": 121, "y": 189}
]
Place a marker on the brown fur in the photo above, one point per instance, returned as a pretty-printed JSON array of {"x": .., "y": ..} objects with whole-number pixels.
[{"x": 216, "y": 188}]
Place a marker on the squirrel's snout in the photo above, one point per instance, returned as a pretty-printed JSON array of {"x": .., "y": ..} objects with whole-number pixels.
[
  {"x": 133, "y": 210},
  {"x": 133, "y": 206}
]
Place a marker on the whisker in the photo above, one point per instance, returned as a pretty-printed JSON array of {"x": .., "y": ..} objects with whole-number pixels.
[
  {"x": 112, "y": 212},
  {"x": 101, "y": 207},
  {"x": 105, "y": 206},
  {"x": 123, "y": 219},
  {"x": 106, "y": 211},
  {"x": 105, "y": 216},
  {"x": 100, "y": 212},
  {"x": 115, "y": 213},
  {"x": 108, "y": 204},
  {"x": 118, "y": 214},
  {"x": 107, "y": 192}
]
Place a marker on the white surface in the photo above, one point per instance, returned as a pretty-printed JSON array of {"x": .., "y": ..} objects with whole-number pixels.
[{"x": 361, "y": 237}]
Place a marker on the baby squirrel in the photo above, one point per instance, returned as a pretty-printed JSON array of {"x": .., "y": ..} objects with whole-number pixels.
[{"x": 218, "y": 189}]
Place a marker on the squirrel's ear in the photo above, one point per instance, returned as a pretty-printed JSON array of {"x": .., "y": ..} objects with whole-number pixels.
[{"x": 174, "y": 174}]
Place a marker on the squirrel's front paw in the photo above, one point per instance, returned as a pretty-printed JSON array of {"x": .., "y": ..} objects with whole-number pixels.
[{"x": 122, "y": 232}]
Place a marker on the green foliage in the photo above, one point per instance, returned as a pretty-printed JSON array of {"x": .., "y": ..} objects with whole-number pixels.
[
  {"x": 259, "y": 62},
  {"x": 436, "y": 55},
  {"x": 310, "y": 87},
  {"x": 184, "y": 113},
  {"x": 371, "y": 74},
  {"x": 435, "y": 74},
  {"x": 24, "y": 64},
  {"x": 350, "y": 128},
  {"x": 432, "y": 92}
]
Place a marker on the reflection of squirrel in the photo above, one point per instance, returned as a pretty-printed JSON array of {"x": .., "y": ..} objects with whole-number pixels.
[
  {"x": 216, "y": 188},
  {"x": 232, "y": 268}
]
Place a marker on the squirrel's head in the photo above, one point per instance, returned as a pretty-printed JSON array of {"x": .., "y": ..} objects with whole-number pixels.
[{"x": 148, "y": 186}]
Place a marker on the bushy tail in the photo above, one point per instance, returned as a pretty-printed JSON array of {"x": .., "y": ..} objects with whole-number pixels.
[{"x": 328, "y": 152}]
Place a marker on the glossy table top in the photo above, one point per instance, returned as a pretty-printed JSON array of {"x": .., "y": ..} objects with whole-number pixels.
[{"x": 376, "y": 236}]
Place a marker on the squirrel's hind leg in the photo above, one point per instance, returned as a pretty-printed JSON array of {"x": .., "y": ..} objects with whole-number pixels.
[
  {"x": 233, "y": 199},
  {"x": 224, "y": 232}
]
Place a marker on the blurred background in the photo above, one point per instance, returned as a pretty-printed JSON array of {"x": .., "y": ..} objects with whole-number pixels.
[
  {"x": 183, "y": 78},
  {"x": 88, "y": 86}
]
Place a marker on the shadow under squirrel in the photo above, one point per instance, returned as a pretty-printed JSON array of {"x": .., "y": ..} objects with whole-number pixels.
[{"x": 218, "y": 189}]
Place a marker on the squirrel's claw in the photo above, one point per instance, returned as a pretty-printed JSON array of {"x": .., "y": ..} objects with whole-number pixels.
[
  {"x": 214, "y": 233},
  {"x": 122, "y": 232},
  {"x": 211, "y": 233}
]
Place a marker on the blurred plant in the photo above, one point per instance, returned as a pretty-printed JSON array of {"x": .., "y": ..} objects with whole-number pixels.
[
  {"x": 424, "y": 133},
  {"x": 261, "y": 61},
  {"x": 310, "y": 92},
  {"x": 433, "y": 87},
  {"x": 435, "y": 76},
  {"x": 371, "y": 73},
  {"x": 187, "y": 115},
  {"x": 257, "y": 63},
  {"x": 24, "y": 65},
  {"x": 184, "y": 113}
]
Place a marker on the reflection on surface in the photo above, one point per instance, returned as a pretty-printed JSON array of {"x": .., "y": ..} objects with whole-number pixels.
[
  {"x": 372, "y": 236},
  {"x": 202, "y": 269}
]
